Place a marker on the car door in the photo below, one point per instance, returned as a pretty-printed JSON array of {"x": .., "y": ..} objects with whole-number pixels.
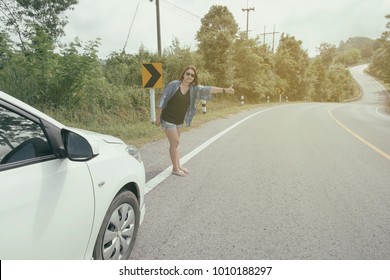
[{"x": 46, "y": 202}]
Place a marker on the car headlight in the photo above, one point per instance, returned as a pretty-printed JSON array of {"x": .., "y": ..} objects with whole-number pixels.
[{"x": 134, "y": 152}]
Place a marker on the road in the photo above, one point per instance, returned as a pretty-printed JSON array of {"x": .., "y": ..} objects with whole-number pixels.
[{"x": 291, "y": 181}]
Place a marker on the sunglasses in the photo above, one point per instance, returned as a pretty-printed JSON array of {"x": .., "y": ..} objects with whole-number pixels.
[{"x": 190, "y": 74}]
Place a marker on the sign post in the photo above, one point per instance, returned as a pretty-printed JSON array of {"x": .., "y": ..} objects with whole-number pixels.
[
  {"x": 152, "y": 78},
  {"x": 152, "y": 105},
  {"x": 279, "y": 90}
]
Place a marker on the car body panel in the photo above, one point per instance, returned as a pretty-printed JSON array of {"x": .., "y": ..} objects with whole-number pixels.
[
  {"x": 52, "y": 207},
  {"x": 106, "y": 180},
  {"x": 35, "y": 210}
]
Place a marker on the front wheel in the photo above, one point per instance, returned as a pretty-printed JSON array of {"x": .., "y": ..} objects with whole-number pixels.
[{"x": 118, "y": 232}]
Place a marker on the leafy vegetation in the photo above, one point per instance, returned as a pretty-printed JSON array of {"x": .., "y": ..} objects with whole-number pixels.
[
  {"x": 73, "y": 85},
  {"x": 380, "y": 66},
  {"x": 216, "y": 36}
]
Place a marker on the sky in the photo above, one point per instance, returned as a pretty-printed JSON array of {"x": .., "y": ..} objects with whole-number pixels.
[{"x": 128, "y": 24}]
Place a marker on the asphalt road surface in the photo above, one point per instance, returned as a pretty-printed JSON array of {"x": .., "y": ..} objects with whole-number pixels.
[{"x": 290, "y": 181}]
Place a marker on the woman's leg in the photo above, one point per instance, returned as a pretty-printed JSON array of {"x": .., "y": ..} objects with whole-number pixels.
[
  {"x": 173, "y": 138},
  {"x": 185, "y": 170}
]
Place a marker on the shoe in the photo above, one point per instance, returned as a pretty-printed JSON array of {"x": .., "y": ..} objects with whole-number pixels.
[
  {"x": 185, "y": 170},
  {"x": 178, "y": 173}
]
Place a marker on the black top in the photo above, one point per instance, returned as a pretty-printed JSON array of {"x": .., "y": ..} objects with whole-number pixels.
[{"x": 176, "y": 108}]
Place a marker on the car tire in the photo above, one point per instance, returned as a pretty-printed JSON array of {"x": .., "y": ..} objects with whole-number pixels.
[{"x": 118, "y": 232}]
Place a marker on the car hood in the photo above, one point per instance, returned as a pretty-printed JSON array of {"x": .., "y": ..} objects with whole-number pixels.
[{"x": 106, "y": 138}]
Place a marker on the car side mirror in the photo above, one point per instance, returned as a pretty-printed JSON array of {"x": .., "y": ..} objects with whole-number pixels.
[{"x": 77, "y": 147}]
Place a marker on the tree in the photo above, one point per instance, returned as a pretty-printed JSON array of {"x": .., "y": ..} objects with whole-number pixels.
[
  {"x": 330, "y": 81},
  {"x": 341, "y": 83},
  {"x": 21, "y": 17},
  {"x": 253, "y": 73},
  {"x": 216, "y": 36},
  {"x": 318, "y": 72},
  {"x": 5, "y": 50},
  {"x": 73, "y": 69},
  {"x": 33, "y": 71},
  {"x": 177, "y": 57},
  {"x": 327, "y": 53},
  {"x": 349, "y": 57},
  {"x": 291, "y": 63},
  {"x": 363, "y": 44},
  {"x": 380, "y": 66}
]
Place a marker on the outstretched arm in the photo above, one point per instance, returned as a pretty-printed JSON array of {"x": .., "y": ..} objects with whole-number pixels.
[{"x": 229, "y": 90}]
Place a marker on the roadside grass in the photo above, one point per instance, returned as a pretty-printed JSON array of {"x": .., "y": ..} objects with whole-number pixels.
[
  {"x": 144, "y": 132},
  {"x": 135, "y": 128}
]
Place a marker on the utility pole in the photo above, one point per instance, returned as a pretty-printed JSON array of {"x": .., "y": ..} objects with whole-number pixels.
[
  {"x": 273, "y": 37},
  {"x": 158, "y": 26},
  {"x": 247, "y": 10}
]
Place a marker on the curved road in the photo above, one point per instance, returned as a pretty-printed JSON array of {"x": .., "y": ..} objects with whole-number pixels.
[{"x": 300, "y": 181}]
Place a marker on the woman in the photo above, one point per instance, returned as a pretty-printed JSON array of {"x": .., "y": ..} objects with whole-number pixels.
[{"x": 176, "y": 105}]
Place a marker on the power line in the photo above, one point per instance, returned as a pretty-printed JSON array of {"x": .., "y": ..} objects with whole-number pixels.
[
  {"x": 182, "y": 9},
  {"x": 179, "y": 12},
  {"x": 158, "y": 20},
  {"x": 273, "y": 37},
  {"x": 131, "y": 26}
]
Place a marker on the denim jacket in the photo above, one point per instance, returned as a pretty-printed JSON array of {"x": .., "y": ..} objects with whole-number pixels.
[{"x": 201, "y": 92}]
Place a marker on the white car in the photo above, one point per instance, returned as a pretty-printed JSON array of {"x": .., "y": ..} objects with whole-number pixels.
[{"x": 65, "y": 193}]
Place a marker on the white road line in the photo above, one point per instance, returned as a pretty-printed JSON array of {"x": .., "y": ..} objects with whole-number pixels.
[{"x": 167, "y": 172}]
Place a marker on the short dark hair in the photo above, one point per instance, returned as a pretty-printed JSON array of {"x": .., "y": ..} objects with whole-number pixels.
[{"x": 181, "y": 77}]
